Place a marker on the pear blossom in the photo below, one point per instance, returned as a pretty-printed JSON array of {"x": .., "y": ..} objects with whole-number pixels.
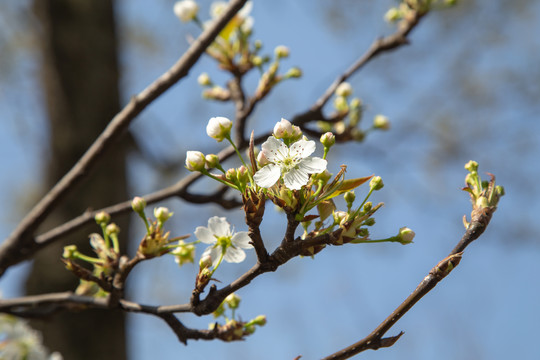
[
  {"x": 223, "y": 241},
  {"x": 219, "y": 128},
  {"x": 292, "y": 163},
  {"x": 186, "y": 10},
  {"x": 195, "y": 161}
]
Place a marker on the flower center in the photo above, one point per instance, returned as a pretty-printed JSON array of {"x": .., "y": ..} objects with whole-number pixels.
[{"x": 223, "y": 241}]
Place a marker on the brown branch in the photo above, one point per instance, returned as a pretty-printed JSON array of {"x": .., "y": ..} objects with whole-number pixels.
[
  {"x": 375, "y": 340},
  {"x": 20, "y": 244},
  {"x": 379, "y": 46}
]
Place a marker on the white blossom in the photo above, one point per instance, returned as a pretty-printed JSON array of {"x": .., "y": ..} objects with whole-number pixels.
[
  {"x": 218, "y": 128},
  {"x": 186, "y": 10},
  {"x": 195, "y": 161},
  {"x": 292, "y": 163},
  {"x": 223, "y": 241}
]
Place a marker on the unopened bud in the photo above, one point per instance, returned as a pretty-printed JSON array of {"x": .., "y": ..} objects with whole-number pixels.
[
  {"x": 406, "y": 235},
  {"x": 162, "y": 214},
  {"x": 102, "y": 218},
  {"x": 212, "y": 161},
  {"x": 328, "y": 139},
  {"x": 204, "y": 80},
  {"x": 344, "y": 89},
  {"x": 381, "y": 122},
  {"x": 233, "y": 301},
  {"x": 376, "y": 183},
  {"x": 195, "y": 161},
  {"x": 138, "y": 204},
  {"x": 281, "y": 51},
  {"x": 112, "y": 228},
  {"x": 69, "y": 251}
]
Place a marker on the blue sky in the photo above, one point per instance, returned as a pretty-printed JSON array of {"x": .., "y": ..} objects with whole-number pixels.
[{"x": 466, "y": 88}]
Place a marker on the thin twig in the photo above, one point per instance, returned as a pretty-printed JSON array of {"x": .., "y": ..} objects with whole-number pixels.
[{"x": 375, "y": 340}]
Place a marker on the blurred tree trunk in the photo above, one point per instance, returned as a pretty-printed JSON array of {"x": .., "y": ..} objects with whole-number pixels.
[{"x": 80, "y": 85}]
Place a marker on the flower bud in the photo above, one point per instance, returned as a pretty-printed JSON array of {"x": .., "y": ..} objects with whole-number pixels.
[
  {"x": 328, "y": 139},
  {"x": 344, "y": 89},
  {"x": 376, "y": 183},
  {"x": 340, "y": 103},
  {"x": 204, "y": 79},
  {"x": 257, "y": 60},
  {"x": 233, "y": 301},
  {"x": 69, "y": 251},
  {"x": 138, "y": 204},
  {"x": 381, "y": 122},
  {"x": 102, "y": 218},
  {"x": 281, "y": 51},
  {"x": 219, "y": 128},
  {"x": 112, "y": 228},
  {"x": 195, "y": 161},
  {"x": 212, "y": 161},
  {"x": 393, "y": 15},
  {"x": 186, "y": 10},
  {"x": 162, "y": 214},
  {"x": 261, "y": 159},
  {"x": 259, "y": 320},
  {"x": 294, "y": 73},
  {"x": 205, "y": 262},
  {"x": 349, "y": 197},
  {"x": 282, "y": 129},
  {"x": 471, "y": 166},
  {"x": 406, "y": 235}
]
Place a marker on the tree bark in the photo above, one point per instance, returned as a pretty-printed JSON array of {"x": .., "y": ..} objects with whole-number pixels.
[{"x": 80, "y": 79}]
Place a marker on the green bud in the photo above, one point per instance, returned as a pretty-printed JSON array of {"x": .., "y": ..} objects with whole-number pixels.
[
  {"x": 367, "y": 206},
  {"x": 393, "y": 15},
  {"x": 349, "y": 198},
  {"x": 344, "y": 90},
  {"x": 162, "y": 214},
  {"x": 281, "y": 51},
  {"x": 376, "y": 183},
  {"x": 69, "y": 251},
  {"x": 406, "y": 235},
  {"x": 499, "y": 189},
  {"x": 381, "y": 122},
  {"x": 204, "y": 79},
  {"x": 294, "y": 73},
  {"x": 369, "y": 222},
  {"x": 212, "y": 161},
  {"x": 233, "y": 301},
  {"x": 138, "y": 204},
  {"x": 112, "y": 228},
  {"x": 102, "y": 218},
  {"x": 340, "y": 103},
  {"x": 471, "y": 166},
  {"x": 328, "y": 139},
  {"x": 259, "y": 320}
]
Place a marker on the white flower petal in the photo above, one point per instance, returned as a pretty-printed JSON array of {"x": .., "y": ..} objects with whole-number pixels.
[
  {"x": 234, "y": 255},
  {"x": 241, "y": 240},
  {"x": 205, "y": 235},
  {"x": 219, "y": 226},
  {"x": 267, "y": 176},
  {"x": 214, "y": 252},
  {"x": 274, "y": 150},
  {"x": 312, "y": 165},
  {"x": 302, "y": 148},
  {"x": 295, "y": 179}
]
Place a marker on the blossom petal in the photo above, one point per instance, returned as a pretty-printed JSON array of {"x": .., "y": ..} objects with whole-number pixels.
[
  {"x": 234, "y": 255},
  {"x": 295, "y": 178},
  {"x": 302, "y": 148},
  {"x": 214, "y": 252},
  {"x": 267, "y": 176},
  {"x": 219, "y": 226},
  {"x": 274, "y": 150},
  {"x": 205, "y": 235},
  {"x": 241, "y": 240},
  {"x": 312, "y": 165}
]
